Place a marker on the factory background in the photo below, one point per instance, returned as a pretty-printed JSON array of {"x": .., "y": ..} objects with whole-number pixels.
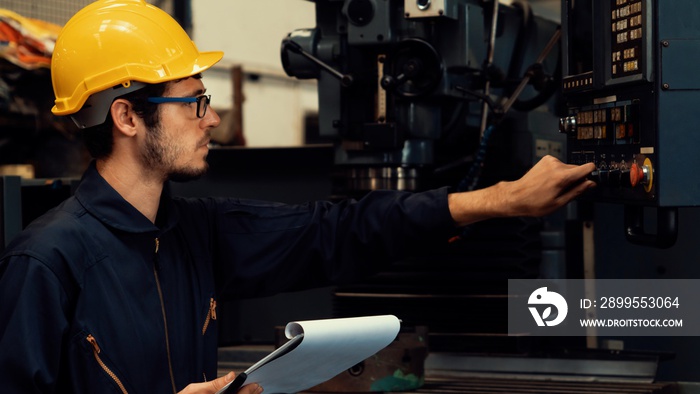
[{"x": 271, "y": 145}]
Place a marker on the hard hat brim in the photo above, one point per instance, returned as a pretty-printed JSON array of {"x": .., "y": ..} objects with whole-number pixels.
[{"x": 204, "y": 61}]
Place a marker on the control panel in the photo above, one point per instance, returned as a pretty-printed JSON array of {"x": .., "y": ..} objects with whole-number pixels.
[
  {"x": 609, "y": 133},
  {"x": 628, "y": 85}
]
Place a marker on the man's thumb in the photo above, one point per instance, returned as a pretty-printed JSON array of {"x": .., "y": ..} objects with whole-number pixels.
[{"x": 219, "y": 383}]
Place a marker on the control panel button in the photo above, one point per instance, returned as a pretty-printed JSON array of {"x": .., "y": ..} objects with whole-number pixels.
[
  {"x": 567, "y": 125},
  {"x": 636, "y": 175}
]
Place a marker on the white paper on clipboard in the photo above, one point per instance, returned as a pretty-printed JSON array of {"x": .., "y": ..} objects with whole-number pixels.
[{"x": 319, "y": 350}]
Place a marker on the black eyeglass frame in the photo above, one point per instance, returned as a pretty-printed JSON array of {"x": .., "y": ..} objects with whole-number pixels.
[{"x": 206, "y": 99}]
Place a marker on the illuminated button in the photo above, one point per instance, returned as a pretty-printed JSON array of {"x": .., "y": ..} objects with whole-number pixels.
[
  {"x": 567, "y": 125},
  {"x": 620, "y": 131},
  {"x": 600, "y": 132},
  {"x": 636, "y": 33},
  {"x": 615, "y": 114},
  {"x": 635, "y": 20},
  {"x": 620, "y": 37}
]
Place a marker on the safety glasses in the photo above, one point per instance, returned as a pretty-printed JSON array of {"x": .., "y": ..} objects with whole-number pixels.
[{"x": 202, "y": 102}]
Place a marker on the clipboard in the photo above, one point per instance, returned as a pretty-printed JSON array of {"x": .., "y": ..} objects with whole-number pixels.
[
  {"x": 317, "y": 351},
  {"x": 240, "y": 379}
]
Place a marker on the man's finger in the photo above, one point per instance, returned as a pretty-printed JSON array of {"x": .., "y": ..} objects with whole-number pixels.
[
  {"x": 252, "y": 388},
  {"x": 219, "y": 383}
]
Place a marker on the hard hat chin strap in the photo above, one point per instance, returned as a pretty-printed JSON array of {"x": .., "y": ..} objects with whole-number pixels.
[{"x": 96, "y": 108}]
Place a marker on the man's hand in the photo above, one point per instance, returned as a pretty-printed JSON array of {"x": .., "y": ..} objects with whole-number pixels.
[
  {"x": 549, "y": 185},
  {"x": 217, "y": 384}
]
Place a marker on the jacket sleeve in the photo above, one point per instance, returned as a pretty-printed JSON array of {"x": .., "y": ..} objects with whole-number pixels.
[
  {"x": 33, "y": 324},
  {"x": 262, "y": 248}
]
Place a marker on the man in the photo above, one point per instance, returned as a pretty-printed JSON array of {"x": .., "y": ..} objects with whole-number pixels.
[{"x": 115, "y": 290}]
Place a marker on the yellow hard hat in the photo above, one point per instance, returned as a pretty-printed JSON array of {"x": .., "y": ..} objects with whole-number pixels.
[{"x": 113, "y": 42}]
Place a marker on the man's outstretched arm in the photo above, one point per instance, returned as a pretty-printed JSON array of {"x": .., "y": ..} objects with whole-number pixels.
[{"x": 549, "y": 185}]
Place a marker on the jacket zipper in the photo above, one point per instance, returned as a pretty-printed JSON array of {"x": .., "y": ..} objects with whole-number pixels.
[
  {"x": 156, "y": 267},
  {"x": 96, "y": 352},
  {"x": 211, "y": 315}
]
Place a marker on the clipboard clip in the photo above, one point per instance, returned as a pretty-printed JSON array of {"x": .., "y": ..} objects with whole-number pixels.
[{"x": 236, "y": 384}]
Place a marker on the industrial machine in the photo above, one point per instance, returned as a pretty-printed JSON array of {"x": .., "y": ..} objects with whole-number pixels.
[
  {"x": 418, "y": 94},
  {"x": 409, "y": 88},
  {"x": 424, "y": 93},
  {"x": 631, "y": 84}
]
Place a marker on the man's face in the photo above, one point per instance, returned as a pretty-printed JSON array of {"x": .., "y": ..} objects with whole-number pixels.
[{"x": 178, "y": 146}]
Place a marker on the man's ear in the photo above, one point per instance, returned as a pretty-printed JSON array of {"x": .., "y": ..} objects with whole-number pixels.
[{"x": 124, "y": 117}]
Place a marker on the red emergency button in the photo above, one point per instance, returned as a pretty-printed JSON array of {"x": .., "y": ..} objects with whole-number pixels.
[{"x": 636, "y": 174}]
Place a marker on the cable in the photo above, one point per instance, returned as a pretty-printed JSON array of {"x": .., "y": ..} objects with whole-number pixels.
[{"x": 469, "y": 182}]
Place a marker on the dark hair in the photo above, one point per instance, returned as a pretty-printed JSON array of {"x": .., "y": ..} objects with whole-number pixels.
[{"x": 98, "y": 139}]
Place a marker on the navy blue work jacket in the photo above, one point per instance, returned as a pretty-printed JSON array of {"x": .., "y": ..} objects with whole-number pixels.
[{"x": 95, "y": 298}]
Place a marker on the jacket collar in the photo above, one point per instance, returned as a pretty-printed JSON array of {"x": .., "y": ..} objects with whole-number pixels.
[{"x": 103, "y": 202}]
